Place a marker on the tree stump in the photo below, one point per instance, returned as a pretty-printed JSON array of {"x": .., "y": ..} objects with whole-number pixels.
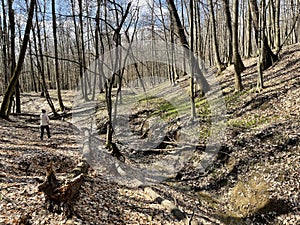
[{"x": 60, "y": 193}]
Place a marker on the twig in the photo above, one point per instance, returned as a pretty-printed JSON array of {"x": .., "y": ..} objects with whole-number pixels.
[{"x": 191, "y": 219}]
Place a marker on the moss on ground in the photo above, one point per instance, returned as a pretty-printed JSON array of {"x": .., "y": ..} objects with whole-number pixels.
[{"x": 249, "y": 196}]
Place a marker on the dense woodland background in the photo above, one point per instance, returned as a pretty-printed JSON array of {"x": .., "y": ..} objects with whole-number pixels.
[{"x": 64, "y": 38}]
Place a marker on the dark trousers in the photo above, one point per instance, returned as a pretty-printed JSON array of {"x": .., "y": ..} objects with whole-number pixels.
[{"x": 43, "y": 129}]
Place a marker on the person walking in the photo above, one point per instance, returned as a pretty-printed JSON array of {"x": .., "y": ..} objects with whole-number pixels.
[{"x": 44, "y": 123}]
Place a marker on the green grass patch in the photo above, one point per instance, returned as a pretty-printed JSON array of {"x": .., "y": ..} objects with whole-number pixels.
[
  {"x": 248, "y": 122},
  {"x": 162, "y": 107},
  {"x": 234, "y": 97},
  {"x": 202, "y": 107}
]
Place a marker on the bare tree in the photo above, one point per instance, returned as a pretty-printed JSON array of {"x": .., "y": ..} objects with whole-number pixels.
[
  {"x": 214, "y": 38},
  {"x": 192, "y": 91},
  {"x": 13, "y": 55},
  {"x": 4, "y": 37},
  {"x": 237, "y": 61},
  {"x": 268, "y": 56},
  {"x": 277, "y": 24},
  {"x": 4, "y": 111},
  {"x": 40, "y": 62},
  {"x": 82, "y": 43},
  {"x": 110, "y": 82},
  {"x": 249, "y": 33},
  {"x": 204, "y": 86},
  {"x": 260, "y": 63},
  {"x": 229, "y": 28},
  {"x": 57, "y": 72},
  {"x": 79, "y": 51}
]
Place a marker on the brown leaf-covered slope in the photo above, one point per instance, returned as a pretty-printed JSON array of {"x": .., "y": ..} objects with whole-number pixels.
[
  {"x": 254, "y": 180},
  {"x": 257, "y": 176}
]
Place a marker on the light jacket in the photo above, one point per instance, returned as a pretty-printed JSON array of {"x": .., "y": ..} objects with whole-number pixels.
[{"x": 44, "y": 119}]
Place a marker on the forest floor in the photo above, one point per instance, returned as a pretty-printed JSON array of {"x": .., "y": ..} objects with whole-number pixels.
[{"x": 253, "y": 180}]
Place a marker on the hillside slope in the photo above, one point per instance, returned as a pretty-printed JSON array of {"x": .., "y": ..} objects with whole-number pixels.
[{"x": 259, "y": 180}]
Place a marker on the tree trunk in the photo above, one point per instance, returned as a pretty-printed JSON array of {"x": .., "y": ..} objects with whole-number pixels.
[
  {"x": 238, "y": 65},
  {"x": 234, "y": 55},
  {"x": 79, "y": 54},
  {"x": 57, "y": 72},
  {"x": 13, "y": 56},
  {"x": 4, "y": 111},
  {"x": 214, "y": 38},
  {"x": 249, "y": 33},
  {"x": 83, "y": 66},
  {"x": 277, "y": 25},
  {"x": 204, "y": 86},
  {"x": 97, "y": 63},
  {"x": 47, "y": 70},
  {"x": 229, "y": 28},
  {"x": 110, "y": 82},
  {"x": 18, "y": 97},
  {"x": 170, "y": 57},
  {"x": 192, "y": 89},
  {"x": 40, "y": 64},
  {"x": 4, "y": 35},
  {"x": 34, "y": 86},
  {"x": 268, "y": 56},
  {"x": 108, "y": 96},
  {"x": 260, "y": 63}
]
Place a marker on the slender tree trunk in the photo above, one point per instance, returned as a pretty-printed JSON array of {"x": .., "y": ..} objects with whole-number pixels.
[
  {"x": 4, "y": 35},
  {"x": 229, "y": 28},
  {"x": 110, "y": 82},
  {"x": 83, "y": 61},
  {"x": 40, "y": 64},
  {"x": 135, "y": 65},
  {"x": 18, "y": 97},
  {"x": 108, "y": 96},
  {"x": 79, "y": 50},
  {"x": 101, "y": 73},
  {"x": 214, "y": 38},
  {"x": 204, "y": 86},
  {"x": 234, "y": 55},
  {"x": 17, "y": 88},
  {"x": 169, "y": 55},
  {"x": 47, "y": 69},
  {"x": 57, "y": 72},
  {"x": 182, "y": 22},
  {"x": 270, "y": 23},
  {"x": 268, "y": 56},
  {"x": 249, "y": 33},
  {"x": 238, "y": 66},
  {"x": 243, "y": 27},
  {"x": 97, "y": 63},
  {"x": 198, "y": 31},
  {"x": 12, "y": 55},
  {"x": 31, "y": 54},
  {"x": 277, "y": 25},
  {"x": 4, "y": 111},
  {"x": 192, "y": 89},
  {"x": 260, "y": 64}
]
